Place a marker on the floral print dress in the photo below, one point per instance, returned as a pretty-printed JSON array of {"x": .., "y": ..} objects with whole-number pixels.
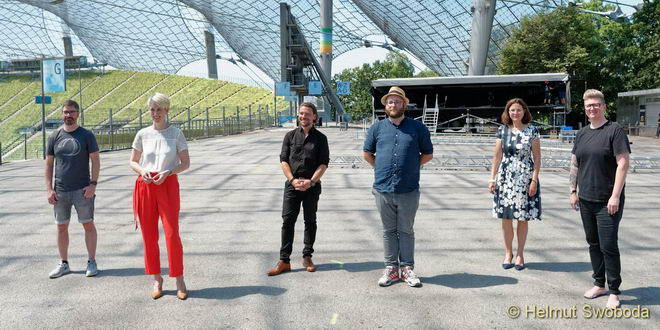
[{"x": 511, "y": 200}]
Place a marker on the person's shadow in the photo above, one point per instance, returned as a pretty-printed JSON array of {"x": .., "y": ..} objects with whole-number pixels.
[
  {"x": 644, "y": 296},
  {"x": 233, "y": 292},
  {"x": 352, "y": 267},
  {"x": 468, "y": 281},
  {"x": 122, "y": 272},
  {"x": 560, "y": 267}
]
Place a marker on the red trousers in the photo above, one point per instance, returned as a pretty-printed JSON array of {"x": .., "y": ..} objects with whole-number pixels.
[{"x": 151, "y": 201}]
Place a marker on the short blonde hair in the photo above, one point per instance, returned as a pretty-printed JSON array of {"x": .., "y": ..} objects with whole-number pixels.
[
  {"x": 160, "y": 100},
  {"x": 593, "y": 94}
]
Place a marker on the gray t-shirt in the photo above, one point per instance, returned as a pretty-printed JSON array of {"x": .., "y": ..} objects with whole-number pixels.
[{"x": 71, "y": 151}]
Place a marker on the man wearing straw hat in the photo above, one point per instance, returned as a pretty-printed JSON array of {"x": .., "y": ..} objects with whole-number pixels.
[{"x": 397, "y": 147}]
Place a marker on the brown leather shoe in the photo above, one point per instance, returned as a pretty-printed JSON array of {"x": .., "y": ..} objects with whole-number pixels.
[
  {"x": 308, "y": 264},
  {"x": 279, "y": 268}
]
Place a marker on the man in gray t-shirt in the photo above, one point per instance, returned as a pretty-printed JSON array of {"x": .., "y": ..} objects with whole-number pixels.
[{"x": 69, "y": 152}]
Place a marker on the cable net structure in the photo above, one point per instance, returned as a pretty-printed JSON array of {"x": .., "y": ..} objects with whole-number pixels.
[{"x": 165, "y": 35}]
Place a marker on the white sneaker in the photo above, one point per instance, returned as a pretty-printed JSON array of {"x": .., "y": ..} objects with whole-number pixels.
[
  {"x": 92, "y": 269},
  {"x": 410, "y": 277},
  {"x": 61, "y": 269},
  {"x": 390, "y": 275}
]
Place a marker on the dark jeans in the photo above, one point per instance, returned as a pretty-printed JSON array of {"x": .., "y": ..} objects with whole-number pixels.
[
  {"x": 290, "y": 211},
  {"x": 602, "y": 231}
]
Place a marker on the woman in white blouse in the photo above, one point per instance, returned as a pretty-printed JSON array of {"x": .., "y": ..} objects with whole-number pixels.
[{"x": 159, "y": 153}]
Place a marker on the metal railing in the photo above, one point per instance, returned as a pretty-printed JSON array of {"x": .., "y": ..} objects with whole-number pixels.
[
  {"x": 114, "y": 135},
  {"x": 485, "y": 162}
]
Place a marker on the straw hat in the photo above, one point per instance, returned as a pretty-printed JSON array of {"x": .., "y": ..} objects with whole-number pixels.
[{"x": 396, "y": 91}]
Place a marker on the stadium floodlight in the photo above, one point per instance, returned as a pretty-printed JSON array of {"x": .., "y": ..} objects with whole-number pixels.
[{"x": 616, "y": 15}]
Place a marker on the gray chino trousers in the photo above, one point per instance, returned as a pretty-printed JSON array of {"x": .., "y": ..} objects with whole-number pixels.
[{"x": 397, "y": 212}]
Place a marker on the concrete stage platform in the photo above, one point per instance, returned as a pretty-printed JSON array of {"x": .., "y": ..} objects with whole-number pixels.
[{"x": 230, "y": 226}]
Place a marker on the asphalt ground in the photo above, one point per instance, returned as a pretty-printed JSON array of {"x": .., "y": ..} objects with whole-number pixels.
[{"x": 230, "y": 227}]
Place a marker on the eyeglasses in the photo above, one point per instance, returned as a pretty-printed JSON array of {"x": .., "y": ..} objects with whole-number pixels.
[
  {"x": 69, "y": 112},
  {"x": 593, "y": 106}
]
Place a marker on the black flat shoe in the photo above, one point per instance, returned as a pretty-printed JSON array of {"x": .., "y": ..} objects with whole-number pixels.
[
  {"x": 519, "y": 267},
  {"x": 507, "y": 266}
]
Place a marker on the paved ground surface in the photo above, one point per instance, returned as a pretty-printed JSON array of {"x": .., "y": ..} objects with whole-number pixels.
[{"x": 231, "y": 203}]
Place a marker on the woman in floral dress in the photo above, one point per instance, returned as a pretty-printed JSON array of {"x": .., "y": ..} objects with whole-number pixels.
[{"x": 515, "y": 178}]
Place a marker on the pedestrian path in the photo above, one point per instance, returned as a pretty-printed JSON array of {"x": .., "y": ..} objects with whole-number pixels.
[{"x": 231, "y": 201}]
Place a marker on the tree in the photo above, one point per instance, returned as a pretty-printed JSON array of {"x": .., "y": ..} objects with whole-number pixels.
[
  {"x": 597, "y": 52},
  {"x": 563, "y": 40},
  {"x": 426, "y": 73},
  {"x": 644, "y": 33},
  {"x": 359, "y": 103}
]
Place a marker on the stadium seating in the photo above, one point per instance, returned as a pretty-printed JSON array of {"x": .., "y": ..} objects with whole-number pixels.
[{"x": 126, "y": 93}]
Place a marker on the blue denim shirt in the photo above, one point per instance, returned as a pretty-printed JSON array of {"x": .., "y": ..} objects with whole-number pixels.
[{"x": 397, "y": 150}]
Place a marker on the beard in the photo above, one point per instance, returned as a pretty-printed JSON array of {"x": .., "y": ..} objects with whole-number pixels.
[
  {"x": 395, "y": 114},
  {"x": 306, "y": 123},
  {"x": 69, "y": 121}
]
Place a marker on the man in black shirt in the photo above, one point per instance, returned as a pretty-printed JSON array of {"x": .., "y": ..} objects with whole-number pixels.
[
  {"x": 600, "y": 161},
  {"x": 304, "y": 159}
]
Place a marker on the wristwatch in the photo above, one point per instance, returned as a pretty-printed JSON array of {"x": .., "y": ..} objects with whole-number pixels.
[
  {"x": 573, "y": 191},
  {"x": 93, "y": 182},
  {"x": 312, "y": 184}
]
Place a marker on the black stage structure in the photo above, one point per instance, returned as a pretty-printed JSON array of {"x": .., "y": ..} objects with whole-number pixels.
[{"x": 475, "y": 103}]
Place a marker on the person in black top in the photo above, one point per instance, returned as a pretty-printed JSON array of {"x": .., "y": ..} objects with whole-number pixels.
[
  {"x": 600, "y": 161},
  {"x": 547, "y": 92},
  {"x": 304, "y": 159}
]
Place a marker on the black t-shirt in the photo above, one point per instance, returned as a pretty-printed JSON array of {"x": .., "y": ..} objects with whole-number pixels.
[
  {"x": 71, "y": 151},
  {"x": 596, "y": 151}
]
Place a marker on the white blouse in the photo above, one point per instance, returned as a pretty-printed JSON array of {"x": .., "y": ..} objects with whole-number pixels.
[{"x": 159, "y": 147}]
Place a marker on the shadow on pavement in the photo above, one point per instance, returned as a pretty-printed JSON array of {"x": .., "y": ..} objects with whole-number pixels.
[
  {"x": 468, "y": 281},
  {"x": 352, "y": 267},
  {"x": 233, "y": 292},
  {"x": 561, "y": 267},
  {"x": 644, "y": 296},
  {"x": 119, "y": 272}
]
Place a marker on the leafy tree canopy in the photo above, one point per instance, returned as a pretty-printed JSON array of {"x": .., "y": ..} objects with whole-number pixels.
[{"x": 359, "y": 103}]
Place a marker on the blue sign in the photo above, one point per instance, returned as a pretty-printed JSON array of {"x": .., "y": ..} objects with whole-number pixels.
[
  {"x": 284, "y": 119},
  {"x": 53, "y": 76},
  {"x": 292, "y": 96},
  {"x": 343, "y": 88},
  {"x": 47, "y": 100},
  {"x": 315, "y": 88},
  {"x": 282, "y": 88}
]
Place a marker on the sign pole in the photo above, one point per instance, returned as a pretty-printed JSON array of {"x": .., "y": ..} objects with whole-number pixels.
[
  {"x": 43, "y": 112},
  {"x": 82, "y": 111}
]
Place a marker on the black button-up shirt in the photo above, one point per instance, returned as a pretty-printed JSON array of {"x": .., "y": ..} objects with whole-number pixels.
[{"x": 305, "y": 155}]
